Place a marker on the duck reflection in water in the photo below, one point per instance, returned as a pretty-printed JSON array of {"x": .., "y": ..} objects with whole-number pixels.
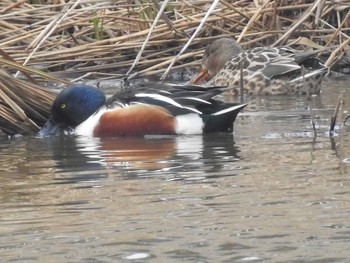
[
  {"x": 136, "y": 156},
  {"x": 136, "y": 152}
]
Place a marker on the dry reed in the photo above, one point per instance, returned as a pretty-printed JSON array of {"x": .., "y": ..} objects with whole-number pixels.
[{"x": 103, "y": 38}]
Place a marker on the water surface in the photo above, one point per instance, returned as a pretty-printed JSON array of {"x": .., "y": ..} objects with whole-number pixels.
[{"x": 275, "y": 191}]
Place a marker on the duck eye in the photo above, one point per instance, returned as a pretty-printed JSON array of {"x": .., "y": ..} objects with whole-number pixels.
[{"x": 63, "y": 106}]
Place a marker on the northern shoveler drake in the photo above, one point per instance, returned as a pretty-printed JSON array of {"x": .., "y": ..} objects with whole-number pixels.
[
  {"x": 266, "y": 71},
  {"x": 139, "y": 110}
]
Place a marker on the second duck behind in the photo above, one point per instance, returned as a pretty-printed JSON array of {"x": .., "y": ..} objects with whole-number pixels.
[{"x": 266, "y": 71}]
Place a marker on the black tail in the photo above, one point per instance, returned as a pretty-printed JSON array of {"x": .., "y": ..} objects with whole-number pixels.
[{"x": 222, "y": 119}]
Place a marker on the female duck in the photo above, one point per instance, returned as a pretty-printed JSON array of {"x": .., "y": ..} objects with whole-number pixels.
[{"x": 266, "y": 71}]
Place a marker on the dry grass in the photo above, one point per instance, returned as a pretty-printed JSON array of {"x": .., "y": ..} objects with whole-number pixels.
[{"x": 107, "y": 39}]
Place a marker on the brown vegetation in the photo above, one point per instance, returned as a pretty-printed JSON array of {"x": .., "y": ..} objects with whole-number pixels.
[{"x": 114, "y": 39}]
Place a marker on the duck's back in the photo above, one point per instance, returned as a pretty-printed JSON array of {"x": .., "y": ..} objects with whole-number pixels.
[{"x": 268, "y": 71}]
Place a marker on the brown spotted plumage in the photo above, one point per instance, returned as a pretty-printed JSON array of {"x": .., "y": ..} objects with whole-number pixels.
[{"x": 266, "y": 71}]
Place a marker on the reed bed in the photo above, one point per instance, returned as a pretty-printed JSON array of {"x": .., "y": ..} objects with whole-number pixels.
[{"x": 143, "y": 38}]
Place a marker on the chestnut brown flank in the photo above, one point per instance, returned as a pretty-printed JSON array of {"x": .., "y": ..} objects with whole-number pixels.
[{"x": 136, "y": 120}]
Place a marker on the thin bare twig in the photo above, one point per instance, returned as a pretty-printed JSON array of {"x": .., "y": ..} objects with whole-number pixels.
[
  {"x": 334, "y": 116},
  {"x": 292, "y": 29},
  {"x": 210, "y": 10},
  {"x": 159, "y": 14}
]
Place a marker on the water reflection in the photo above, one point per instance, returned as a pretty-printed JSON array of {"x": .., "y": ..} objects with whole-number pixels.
[
  {"x": 272, "y": 193},
  {"x": 143, "y": 157}
]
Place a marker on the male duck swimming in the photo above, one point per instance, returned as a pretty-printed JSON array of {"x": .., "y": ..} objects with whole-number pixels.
[
  {"x": 266, "y": 71},
  {"x": 140, "y": 110}
]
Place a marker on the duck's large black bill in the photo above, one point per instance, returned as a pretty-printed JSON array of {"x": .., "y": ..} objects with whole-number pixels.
[{"x": 50, "y": 128}]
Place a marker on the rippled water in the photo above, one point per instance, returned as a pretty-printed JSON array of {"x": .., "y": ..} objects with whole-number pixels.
[{"x": 273, "y": 192}]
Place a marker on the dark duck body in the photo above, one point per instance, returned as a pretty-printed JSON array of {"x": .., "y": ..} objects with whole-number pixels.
[{"x": 141, "y": 110}]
